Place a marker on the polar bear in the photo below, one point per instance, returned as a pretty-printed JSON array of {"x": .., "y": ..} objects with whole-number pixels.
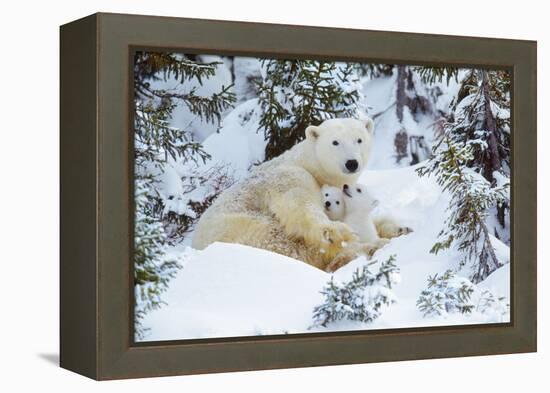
[
  {"x": 278, "y": 207},
  {"x": 335, "y": 209},
  {"x": 358, "y": 207},
  {"x": 335, "y": 205},
  {"x": 333, "y": 202}
]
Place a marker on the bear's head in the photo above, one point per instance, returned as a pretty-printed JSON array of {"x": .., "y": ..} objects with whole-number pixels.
[
  {"x": 333, "y": 202},
  {"x": 357, "y": 199},
  {"x": 342, "y": 147}
]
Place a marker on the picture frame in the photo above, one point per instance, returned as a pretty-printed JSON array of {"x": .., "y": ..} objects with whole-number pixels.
[{"x": 96, "y": 293}]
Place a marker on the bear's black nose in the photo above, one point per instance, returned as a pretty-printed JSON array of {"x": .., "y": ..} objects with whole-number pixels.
[
  {"x": 352, "y": 165},
  {"x": 346, "y": 186},
  {"x": 327, "y": 204}
]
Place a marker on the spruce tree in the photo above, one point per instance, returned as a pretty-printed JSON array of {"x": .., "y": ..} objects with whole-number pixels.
[
  {"x": 360, "y": 299},
  {"x": 485, "y": 116},
  {"x": 449, "y": 293},
  {"x": 155, "y": 144},
  {"x": 481, "y": 111},
  {"x": 445, "y": 294},
  {"x": 472, "y": 163},
  {"x": 297, "y": 93},
  {"x": 471, "y": 198},
  {"x": 152, "y": 268}
]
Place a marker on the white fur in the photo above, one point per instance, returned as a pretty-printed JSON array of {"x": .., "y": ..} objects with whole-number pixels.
[
  {"x": 333, "y": 202},
  {"x": 359, "y": 204},
  {"x": 278, "y": 207},
  {"x": 338, "y": 141}
]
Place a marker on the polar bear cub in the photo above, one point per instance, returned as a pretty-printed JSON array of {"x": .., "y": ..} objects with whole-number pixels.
[
  {"x": 359, "y": 204},
  {"x": 333, "y": 202},
  {"x": 353, "y": 205}
]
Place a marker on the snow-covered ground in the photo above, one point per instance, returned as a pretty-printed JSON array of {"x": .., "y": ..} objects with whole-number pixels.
[{"x": 232, "y": 290}]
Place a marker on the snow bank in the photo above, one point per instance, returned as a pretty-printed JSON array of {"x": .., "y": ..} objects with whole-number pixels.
[{"x": 233, "y": 290}]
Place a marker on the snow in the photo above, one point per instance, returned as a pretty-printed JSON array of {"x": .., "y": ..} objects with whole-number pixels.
[
  {"x": 233, "y": 290},
  {"x": 380, "y": 95},
  {"x": 498, "y": 282},
  {"x": 232, "y": 150},
  {"x": 448, "y": 92},
  {"x": 238, "y": 144},
  {"x": 247, "y": 70}
]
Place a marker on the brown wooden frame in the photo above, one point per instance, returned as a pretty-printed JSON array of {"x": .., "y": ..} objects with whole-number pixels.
[{"x": 97, "y": 199}]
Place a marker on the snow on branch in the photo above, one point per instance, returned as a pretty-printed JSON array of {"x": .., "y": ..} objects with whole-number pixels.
[
  {"x": 449, "y": 293},
  {"x": 469, "y": 162},
  {"x": 362, "y": 298}
]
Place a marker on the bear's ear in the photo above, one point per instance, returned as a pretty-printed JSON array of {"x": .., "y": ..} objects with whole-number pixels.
[
  {"x": 369, "y": 124},
  {"x": 312, "y": 132}
]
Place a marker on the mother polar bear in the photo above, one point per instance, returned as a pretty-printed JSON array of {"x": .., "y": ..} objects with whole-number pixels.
[{"x": 278, "y": 207}]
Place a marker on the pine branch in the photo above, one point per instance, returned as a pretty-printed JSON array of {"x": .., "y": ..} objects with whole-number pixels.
[
  {"x": 164, "y": 65},
  {"x": 208, "y": 108},
  {"x": 430, "y": 75},
  {"x": 465, "y": 224},
  {"x": 360, "y": 299}
]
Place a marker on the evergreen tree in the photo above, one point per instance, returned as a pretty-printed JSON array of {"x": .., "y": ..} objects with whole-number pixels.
[
  {"x": 155, "y": 144},
  {"x": 472, "y": 162},
  {"x": 445, "y": 294},
  {"x": 152, "y": 269},
  {"x": 481, "y": 111},
  {"x": 154, "y": 66},
  {"x": 471, "y": 198},
  {"x": 297, "y": 93},
  {"x": 496, "y": 306},
  {"x": 361, "y": 299},
  {"x": 484, "y": 114},
  {"x": 449, "y": 293}
]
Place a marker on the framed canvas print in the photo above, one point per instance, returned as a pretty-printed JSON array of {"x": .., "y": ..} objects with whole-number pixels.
[{"x": 240, "y": 196}]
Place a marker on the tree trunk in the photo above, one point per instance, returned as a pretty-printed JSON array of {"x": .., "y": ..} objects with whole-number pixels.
[
  {"x": 401, "y": 139},
  {"x": 492, "y": 161},
  {"x": 400, "y": 95}
]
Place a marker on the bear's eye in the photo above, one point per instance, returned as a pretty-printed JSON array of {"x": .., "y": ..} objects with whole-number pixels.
[
  {"x": 359, "y": 140},
  {"x": 359, "y": 190},
  {"x": 337, "y": 202},
  {"x": 326, "y": 195},
  {"x": 335, "y": 143}
]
